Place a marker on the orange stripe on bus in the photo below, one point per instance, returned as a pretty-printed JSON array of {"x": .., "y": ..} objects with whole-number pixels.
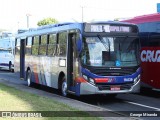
[{"x": 80, "y": 79}]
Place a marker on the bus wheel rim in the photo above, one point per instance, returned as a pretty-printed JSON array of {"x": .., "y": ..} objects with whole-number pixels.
[
  {"x": 28, "y": 80},
  {"x": 64, "y": 88}
]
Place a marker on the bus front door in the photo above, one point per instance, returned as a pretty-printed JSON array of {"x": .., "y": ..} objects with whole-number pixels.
[{"x": 71, "y": 60}]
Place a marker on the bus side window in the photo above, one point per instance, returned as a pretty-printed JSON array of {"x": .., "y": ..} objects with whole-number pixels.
[
  {"x": 154, "y": 44},
  {"x": 52, "y": 45},
  {"x": 154, "y": 41},
  {"x": 35, "y": 45},
  {"x": 62, "y": 44},
  {"x": 43, "y": 45},
  {"x": 17, "y": 46},
  {"x": 28, "y": 45}
]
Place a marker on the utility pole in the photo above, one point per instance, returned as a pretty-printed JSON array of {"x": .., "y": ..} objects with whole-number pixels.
[
  {"x": 28, "y": 15},
  {"x": 82, "y": 13}
]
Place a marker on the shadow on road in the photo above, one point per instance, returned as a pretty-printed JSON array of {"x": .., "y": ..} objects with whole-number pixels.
[{"x": 149, "y": 92}]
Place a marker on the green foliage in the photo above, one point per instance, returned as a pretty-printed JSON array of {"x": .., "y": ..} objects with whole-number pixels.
[
  {"x": 47, "y": 21},
  {"x": 116, "y": 19},
  {"x": 12, "y": 99}
]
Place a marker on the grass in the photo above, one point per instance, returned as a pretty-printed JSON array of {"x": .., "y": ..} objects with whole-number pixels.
[{"x": 12, "y": 99}]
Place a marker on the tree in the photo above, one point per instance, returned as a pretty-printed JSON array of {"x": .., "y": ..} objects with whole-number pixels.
[{"x": 47, "y": 21}]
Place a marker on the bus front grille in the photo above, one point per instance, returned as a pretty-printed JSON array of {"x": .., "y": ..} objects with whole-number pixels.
[{"x": 125, "y": 86}]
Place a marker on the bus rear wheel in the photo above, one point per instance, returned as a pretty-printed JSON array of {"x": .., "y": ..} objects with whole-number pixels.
[
  {"x": 10, "y": 67},
  {"x": 64, "y": 87},
  {"x": 28, "y": 78}
]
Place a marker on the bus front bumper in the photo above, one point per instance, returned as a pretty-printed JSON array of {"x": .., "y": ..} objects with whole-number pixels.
[{"x": 88, "y": 89}]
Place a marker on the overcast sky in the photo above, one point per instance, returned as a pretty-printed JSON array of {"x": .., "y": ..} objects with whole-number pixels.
[{"x": 13, "y": 12}]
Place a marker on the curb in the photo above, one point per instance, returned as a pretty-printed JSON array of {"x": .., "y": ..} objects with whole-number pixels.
[{"x": 70, "y": 102}]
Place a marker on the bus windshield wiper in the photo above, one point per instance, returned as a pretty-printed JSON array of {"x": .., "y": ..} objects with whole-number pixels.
[{"x": 104, "y": 43}]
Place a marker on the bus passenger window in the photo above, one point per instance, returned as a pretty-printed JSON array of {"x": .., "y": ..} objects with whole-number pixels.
[
  {"x": 18, "y": 42},
  {"x": 35, "y": 45},
  {"x": 36, "y": 40},
  {"x": 52, "y": 44},
  {"x": 62, "y": 40},
  {"x": 17, "y": 47},
  {"x": 28, "y": 45},
  {"x": 43, "y": 45},
  {"x": 52, "y": 39}
]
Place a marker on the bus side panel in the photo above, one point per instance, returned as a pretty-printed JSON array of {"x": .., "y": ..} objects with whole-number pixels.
[
  {"x": 54, "y": 65},
  {"x": 45, "y": 70},
  {"x": 150, "y": 57},
  {"x": 35, "y": 69},
  {"x": 51, "y": 71}
]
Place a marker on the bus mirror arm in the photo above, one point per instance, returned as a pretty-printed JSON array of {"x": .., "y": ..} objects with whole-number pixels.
[{"x": 79, "y": 45}]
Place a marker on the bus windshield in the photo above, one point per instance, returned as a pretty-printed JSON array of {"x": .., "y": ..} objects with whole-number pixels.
[{"x": 110, "y": 51}]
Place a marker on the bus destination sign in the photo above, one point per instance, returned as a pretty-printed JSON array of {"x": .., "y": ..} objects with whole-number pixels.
[{"x": 106, "y": 28}]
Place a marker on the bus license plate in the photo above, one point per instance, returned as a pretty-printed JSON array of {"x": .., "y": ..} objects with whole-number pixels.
[{"x": 115, "y": 88}]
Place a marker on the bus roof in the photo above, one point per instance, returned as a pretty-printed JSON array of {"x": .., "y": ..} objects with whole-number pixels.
[
  {"x": 64, "y": 26},
  {"x": 144, "y": 18},
  {"x": 76, "y": 23}
]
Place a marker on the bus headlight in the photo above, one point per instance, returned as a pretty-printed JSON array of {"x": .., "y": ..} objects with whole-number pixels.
[
  {"x": 85, "y": 77},
  {"x": 135, "y": 80},
  {"x": 90, "y": 80}
]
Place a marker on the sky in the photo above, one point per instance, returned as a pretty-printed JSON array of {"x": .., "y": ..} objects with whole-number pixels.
[{"x": 13, "y": 13}]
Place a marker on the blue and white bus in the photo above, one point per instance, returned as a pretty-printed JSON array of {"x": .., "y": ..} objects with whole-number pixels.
[
  {"x": 81, "y": 58},
  {"x": 7, "y": 45}
]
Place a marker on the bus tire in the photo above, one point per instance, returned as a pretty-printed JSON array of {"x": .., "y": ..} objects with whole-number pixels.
[
  {"x": 112, "y": 96},
  {"x": 12, "y": 70},
  {"x": 28, "y": 78},
  {"x": 10, "y": 67},
  {"x": 64, "y": 87}
]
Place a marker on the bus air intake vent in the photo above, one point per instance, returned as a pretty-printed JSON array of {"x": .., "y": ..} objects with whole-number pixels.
[{"x": 105, "y": 71}]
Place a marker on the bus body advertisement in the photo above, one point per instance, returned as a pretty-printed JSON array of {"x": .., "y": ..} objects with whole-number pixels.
[
  {"x": 81, "y": 58},
  {"x": 150, "y": 53},
  {"x": 150, "y": 58},
  {"x": 7, "y": 53}
]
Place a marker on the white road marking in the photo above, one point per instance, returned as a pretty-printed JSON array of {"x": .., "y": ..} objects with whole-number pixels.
[{"x": 158, "y": 109}]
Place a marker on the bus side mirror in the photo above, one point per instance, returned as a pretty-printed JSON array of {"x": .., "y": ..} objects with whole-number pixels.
[{"x": 79, "y": 45}]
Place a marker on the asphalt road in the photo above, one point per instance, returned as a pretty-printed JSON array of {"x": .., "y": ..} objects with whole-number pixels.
[{"x": 136, "y": 104}]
